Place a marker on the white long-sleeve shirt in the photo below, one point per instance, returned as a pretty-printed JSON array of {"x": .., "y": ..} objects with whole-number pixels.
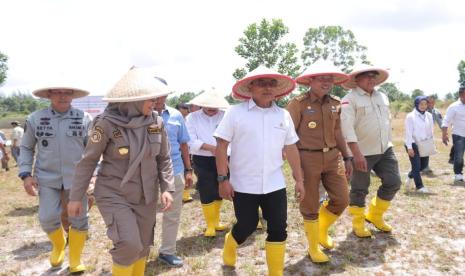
[
  {"x": 418, "y": 127},
  {"x": 455, "y": 115},
  {"x": 201, "y": 128}
]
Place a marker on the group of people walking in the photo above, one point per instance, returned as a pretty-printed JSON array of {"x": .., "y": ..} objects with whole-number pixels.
[{"x": 143, "y": 151}]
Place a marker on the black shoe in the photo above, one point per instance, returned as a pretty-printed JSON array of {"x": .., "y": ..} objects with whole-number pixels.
[{"x": 171, "y": 260}]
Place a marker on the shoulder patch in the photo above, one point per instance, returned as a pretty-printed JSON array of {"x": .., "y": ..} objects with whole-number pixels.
[
  {"x": 336, "y": 98},
  {"x": 302, "y": 97}
]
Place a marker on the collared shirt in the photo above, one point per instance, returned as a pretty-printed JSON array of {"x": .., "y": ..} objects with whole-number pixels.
[
  {"x": 455, "y": 116},
  {"x": 315, "y": 120},
  {"x": 177, "y": 135},
  {"x": 201, "y": 128},
  {"x": 57, "y": 142},
  {"x": 418, "y": 127},
  {"x": 366, "y": 120},
  {"x": 437, "y": 117},
  {"x": 257, "y": 137}
]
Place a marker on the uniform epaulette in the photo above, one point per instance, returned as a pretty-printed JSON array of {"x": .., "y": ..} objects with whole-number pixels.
[
  {"x": 335, "y": 98},
  {"x": 301, "y": 97}
]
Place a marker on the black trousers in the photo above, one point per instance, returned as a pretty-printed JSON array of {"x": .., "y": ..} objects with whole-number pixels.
[
  {"x": 207, "y": 183},
  {"x": 274, "y": 209}
]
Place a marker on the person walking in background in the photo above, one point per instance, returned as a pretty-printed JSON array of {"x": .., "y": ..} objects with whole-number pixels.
[
  {"x": 437, "y": 118},
  {"x": 418, "y": 128},
  {"x": 258, "y": 132},
  {"x": 186, "y": 195},
  {"x": 201, "y": 125},
  {"x": 135, "y": 166},
  {"x": 316, "y": 119},
  {"x": 16, "y": 136},
  {"x": 3, "y": 153},
  {"x": 5, "y": 157},
  {"x": 182, "y": 170},
  {"x": 455, "y": 116},
  {"x": 366, "y": 125},
  {"x": 53, "y": 142}
]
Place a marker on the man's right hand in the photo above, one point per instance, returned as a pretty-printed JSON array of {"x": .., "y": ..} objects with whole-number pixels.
[
  {"x": 226, "y": 190},
  {"x": 360, "y": 163},
  {"x": 445, "y": 139},
  {"x": 74, "y": 208},
  {"x": 30, "y": 185}
]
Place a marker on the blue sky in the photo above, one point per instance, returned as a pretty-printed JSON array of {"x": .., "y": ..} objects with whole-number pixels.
[{"x": 90, "y": 44}]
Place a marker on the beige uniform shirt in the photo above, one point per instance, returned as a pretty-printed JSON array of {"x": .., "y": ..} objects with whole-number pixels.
[
  {"x": 315, "y": 120},
  {"x": 108, "y": 141},
  {"x": 366, "y": 119}
]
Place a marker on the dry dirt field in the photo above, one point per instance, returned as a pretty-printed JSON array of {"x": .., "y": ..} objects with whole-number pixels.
[{"x": 428, "y": 236}]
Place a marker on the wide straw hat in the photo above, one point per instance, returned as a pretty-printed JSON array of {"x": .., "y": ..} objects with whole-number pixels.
[
  {"x": 138, "y": 84},
  {"x": 43, "y": 92},
  {"x": 321, "y": 68},
  {"x": 380, "y": 78},
  {"x": 210, "y": 99},
  {"x": 285, "y": 84}
]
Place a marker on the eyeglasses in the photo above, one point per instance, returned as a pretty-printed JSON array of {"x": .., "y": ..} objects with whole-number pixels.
[
  {"x": 61, "y": 92},
  {"x": 265, "y": 83},
  {"x": 324, "y": 78}
]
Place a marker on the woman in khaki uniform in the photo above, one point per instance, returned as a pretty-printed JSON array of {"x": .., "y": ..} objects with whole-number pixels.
[{"x": 136, "y": 163}]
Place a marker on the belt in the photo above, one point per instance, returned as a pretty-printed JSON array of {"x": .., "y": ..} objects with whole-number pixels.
[{"x": 318, "y": 150}]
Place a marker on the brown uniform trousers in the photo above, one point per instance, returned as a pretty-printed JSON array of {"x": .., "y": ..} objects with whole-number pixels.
[
  {"x": 316, "y": 122},
  {"x": 129, "y": 211}
]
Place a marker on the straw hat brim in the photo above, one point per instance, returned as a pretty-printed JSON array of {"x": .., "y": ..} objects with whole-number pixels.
[
  {"x": 285, "y": 86},
  {"x": 43, "y": 92},
  {"x": 338, "y": 78},
  {"x": 134, "y": 98},
  {"x": 380, "y": 78}
]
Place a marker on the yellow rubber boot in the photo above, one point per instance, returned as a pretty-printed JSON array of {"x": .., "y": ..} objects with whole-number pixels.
[
  {"x": 209, "y": 212},
  {"x": 76, "y": 244},
  {"x": 119, "y": 270},
  {"x": 57, "y": 238},
  {"x": 229, "y": 250},
  {"x": 275, "y": 257},
  {"x": 311, "y": 231},
  {"x": 139, "y": 267},
  {"x": 375, "y": 214},
  {"x": 326, "y": 219},
  {"x": 186, "y": 196},
  {"x": 358, "y": 222},
  {"x": 218, "y": 227}
]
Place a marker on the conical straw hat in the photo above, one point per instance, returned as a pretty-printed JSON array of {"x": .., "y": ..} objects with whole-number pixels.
[
  {"x": 210, "y": 99},
  {"x": 322, "y": 68}
]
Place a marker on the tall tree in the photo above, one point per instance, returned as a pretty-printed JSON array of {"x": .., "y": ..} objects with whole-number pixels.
[
  {"x": 333, "y": 43},
  {"x": 336, "y": 44},
  {"x": 417, "y": 92},
  {"x": 262, "y": 44},
  {"x": 461, "y": 68},
  {"x": 3, "y": 67}
]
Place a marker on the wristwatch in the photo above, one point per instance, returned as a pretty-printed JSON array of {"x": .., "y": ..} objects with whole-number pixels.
[
  {"x": 188, "y": 170},
  {"x": 23, "y": 175},
  {"x": 348, "y": 158},
  {"x": 222, "y": 178}
]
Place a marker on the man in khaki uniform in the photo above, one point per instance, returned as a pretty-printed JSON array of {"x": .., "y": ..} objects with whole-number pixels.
[
  {"x": 366, "y": 124},
  {"x": 316, "y": 119}
]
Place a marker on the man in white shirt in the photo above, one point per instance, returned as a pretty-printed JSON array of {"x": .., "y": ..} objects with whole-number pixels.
[
  {"x": 258, "y": 131},
  {"x": 16, "y": 139},
  {"x": 455, "y": 116},
  {"x": 201, "y": 124},
  {"x": 366, "y": 125}
]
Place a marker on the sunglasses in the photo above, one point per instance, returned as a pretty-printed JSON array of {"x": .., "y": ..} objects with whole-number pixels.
[{"x": 265, "y": 83}]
